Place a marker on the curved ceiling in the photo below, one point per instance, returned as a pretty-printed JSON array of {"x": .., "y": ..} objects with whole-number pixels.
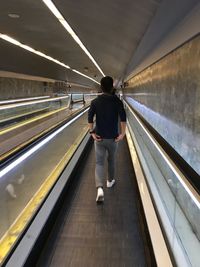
[{"x": 110, "y": 30}]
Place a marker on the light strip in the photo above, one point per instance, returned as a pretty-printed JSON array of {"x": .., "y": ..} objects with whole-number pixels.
[
  {"x": 3, "y": 102},
  {"x": 66, "y": 25},
  {"x": 78, "y": 72},
  {"x": 32, "y": 102},
  {"x": 193, "y": 197},
  {"x": 37, "y": 147},
  {"x": 32, "y": 50}
]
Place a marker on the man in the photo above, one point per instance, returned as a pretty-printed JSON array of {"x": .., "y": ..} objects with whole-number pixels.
[{"x": 108, "y": 108}]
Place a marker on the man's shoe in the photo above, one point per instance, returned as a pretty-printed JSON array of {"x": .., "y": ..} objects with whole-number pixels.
[
  {"x": 110, "y": 184},
  {"x": 100, "y": 195}
]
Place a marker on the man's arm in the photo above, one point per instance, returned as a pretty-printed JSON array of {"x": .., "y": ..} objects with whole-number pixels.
[
  {"x": 91, "y": 114},
  {"x": 123, "y": 131},
  {"x": 91, "y": 125},
  {"x": 122, "y": 115}
]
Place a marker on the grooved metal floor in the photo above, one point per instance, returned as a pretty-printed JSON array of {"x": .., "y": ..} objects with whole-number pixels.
[{"x": 99, "y": 235}]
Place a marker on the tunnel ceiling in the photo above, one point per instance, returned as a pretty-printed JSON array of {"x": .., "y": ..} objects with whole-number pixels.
[{"x": 110, "y": 30}]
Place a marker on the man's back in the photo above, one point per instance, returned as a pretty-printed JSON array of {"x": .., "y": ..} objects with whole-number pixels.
[{"x": 107, "y": 108}]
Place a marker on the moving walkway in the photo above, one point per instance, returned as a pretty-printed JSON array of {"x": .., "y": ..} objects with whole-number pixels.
[{"x": 62, "y": 225}]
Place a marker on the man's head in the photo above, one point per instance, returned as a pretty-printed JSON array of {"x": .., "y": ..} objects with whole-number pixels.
[{"x": 107, "y": 84}]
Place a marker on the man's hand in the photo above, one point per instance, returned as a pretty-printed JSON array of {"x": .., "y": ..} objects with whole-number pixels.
[
  {"x": 119, "y": 137},
  {"x": 96, "y": 137}
]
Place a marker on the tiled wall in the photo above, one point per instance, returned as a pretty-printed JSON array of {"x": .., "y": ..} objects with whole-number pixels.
[
  {"x": 167, "y": 94},
  {"x": 16, "y": 88}
]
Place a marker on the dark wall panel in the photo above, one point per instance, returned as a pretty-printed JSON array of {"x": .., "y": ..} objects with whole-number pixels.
[{"x": 167, "y": 94}]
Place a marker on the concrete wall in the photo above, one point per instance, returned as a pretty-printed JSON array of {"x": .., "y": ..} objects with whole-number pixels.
[
  {"x": 167, "y": 94},
  {"x": 12, "y": 88},
  {"x": 17, "y": 88}
]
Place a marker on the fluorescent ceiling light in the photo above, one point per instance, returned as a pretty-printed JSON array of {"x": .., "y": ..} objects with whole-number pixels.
[
  {"x": 66, "y": 25},
  {"x": 78, "y": 72},
  {"x": 32, "y": 50}
]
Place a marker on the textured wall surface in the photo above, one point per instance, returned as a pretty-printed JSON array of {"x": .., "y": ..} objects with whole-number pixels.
[
  {"x": 17, "y": 88},
  {"x": 167, "y": 94},
  {"x": 11, "y": 88}
]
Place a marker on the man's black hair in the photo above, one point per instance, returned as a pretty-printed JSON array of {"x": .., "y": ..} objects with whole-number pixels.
[{"x": 107, "y": 84}]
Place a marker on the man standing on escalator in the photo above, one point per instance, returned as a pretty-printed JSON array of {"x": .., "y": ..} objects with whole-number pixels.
[{"x": 108, "y": 109}]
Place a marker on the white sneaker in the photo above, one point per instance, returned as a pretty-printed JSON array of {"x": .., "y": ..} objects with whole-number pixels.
[
  {"x": 110, "y": 184},
  {"x": 100, "y": 195}
]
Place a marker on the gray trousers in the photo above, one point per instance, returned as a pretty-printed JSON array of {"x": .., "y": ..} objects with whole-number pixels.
[{"x": 106, "y": 147}]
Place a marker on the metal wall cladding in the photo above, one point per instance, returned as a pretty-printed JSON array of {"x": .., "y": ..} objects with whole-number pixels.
[{"x": 167, "y": 94}]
